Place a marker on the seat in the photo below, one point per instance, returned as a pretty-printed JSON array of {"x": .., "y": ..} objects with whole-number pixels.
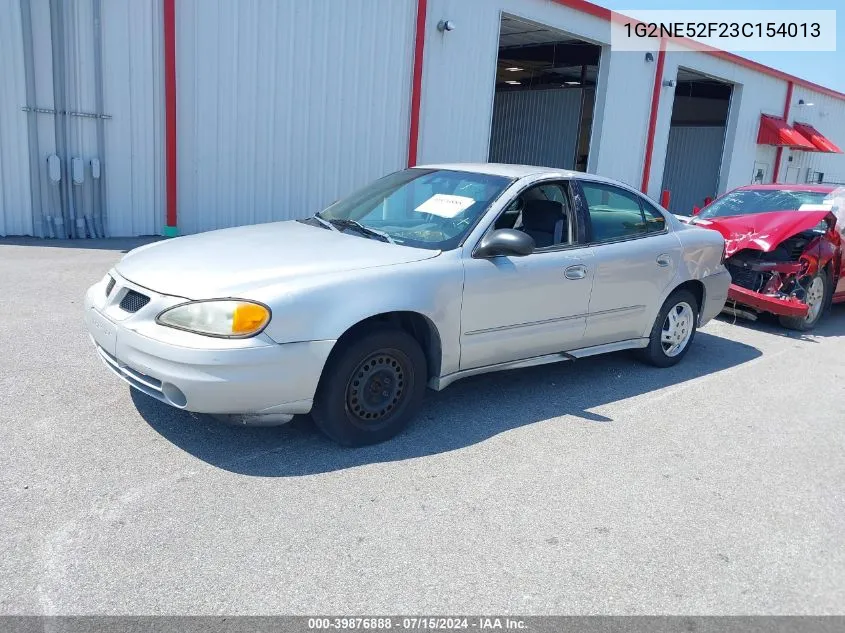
[{"x": 544, "y": 220}]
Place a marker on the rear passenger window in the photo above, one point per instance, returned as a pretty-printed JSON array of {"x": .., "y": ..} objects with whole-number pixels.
[{"x": 614, "y": 213}]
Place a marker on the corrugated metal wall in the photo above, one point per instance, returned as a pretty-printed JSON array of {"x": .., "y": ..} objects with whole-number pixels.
[
  {"x": 693, "y": 160},
  {"x": 460, "y": 73},
  {"x": 15, "y": 197},
  {"x": 134, "y": 97},
  {"x": 827, "y": 115},
  {"x": 753, "y": 93},
  {"x": 764, "y": 161},
  {"x": 132, "y": 161},
  {"x": 620, "y": 128},
  {"x": 284, "y": 106},
  {"x": 536, "y": 127}
]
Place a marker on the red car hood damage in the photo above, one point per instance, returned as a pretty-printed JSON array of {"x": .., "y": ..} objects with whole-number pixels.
[{"x": 762, "y": 231}]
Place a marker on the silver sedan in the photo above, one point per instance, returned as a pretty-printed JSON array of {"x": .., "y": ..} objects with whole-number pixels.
[{"x": 423, "y": 277}]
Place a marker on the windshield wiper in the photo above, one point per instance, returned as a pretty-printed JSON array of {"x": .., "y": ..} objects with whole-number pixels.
[
  {"x": 364, "y": 230},
  {"x": 324, "y": 223}
]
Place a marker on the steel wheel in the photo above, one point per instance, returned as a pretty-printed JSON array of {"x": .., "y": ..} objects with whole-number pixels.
[
  {"x": 815, "y": 299},
  {"x": 376, "y": 388},
  {"x": 677, "y": 329}
]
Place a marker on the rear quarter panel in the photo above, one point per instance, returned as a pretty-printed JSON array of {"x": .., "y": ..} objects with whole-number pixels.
[{"x": 702, "y": 261}]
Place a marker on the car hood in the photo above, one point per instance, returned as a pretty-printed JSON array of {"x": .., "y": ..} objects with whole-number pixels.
[
  {"x": 230, "y": 262},
  {"x": 761, "y": 231}
]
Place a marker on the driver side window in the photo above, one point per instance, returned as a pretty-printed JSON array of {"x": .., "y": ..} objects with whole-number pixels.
[{"x": 542, "y": 211}]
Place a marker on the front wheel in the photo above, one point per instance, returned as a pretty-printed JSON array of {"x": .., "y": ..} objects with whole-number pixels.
[
  {"x": 817, "y": 299},
  {"x": 371, "y": 388},
  {"x": 673, "y": 330}
]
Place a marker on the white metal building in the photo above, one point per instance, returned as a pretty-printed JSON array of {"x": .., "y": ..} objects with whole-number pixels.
[{"x": 138, "y": 117}]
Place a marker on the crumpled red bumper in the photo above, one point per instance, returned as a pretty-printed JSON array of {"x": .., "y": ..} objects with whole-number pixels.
[{"x": 765, "y": 303}]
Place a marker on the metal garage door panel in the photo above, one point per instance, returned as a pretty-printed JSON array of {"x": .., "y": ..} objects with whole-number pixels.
[
  {"x": 536, "y": 127},
  {"x": 693, "y": 160}
]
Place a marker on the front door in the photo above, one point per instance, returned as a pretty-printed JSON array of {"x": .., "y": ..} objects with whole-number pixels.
[{"x": 520, "y": 307}]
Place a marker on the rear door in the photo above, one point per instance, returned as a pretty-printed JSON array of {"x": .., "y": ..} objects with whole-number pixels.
[{"x": 635, "y": 257}]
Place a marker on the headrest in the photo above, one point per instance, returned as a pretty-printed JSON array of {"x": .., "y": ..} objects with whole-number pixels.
[{"x": 541, "y": 215}]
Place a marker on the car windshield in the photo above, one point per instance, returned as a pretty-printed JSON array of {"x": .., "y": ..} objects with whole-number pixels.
[
  {"x": 750, "y": 201},
  {"x": 425, "y": 208}
]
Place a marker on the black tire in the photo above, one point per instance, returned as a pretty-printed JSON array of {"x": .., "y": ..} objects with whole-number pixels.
[
  {"x": 802, "y": 324},
  {"x": 655, "y": 354},
  {"x": 371, "y": 387}
]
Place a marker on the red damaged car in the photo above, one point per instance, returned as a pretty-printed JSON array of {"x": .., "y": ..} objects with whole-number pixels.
[{"x": 783, "y": 248}]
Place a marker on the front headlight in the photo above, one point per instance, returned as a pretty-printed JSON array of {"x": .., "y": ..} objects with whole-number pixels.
[{"x": 227, "y": 318}]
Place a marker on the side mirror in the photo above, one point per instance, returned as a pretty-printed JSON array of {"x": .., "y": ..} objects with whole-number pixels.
[
  {"x": 505, "y": 242},
  {"x": 696, "y": 210}
]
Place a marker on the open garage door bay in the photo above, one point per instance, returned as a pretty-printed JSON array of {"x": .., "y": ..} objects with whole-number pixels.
[{"x": 545, "y": 91}]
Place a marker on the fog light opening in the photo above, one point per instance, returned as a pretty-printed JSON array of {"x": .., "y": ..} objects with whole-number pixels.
[{"x": 174, "y": 395}]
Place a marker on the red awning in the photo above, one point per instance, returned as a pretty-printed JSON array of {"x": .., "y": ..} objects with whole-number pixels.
[
  {"x": 775, "y": 131},
  {"x": 816, "y": 138}
]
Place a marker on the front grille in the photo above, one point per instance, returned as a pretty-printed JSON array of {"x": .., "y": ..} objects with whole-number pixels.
[
  {"x": 133, "y": 301},
  {"x": 747, "y": 278},
  {"x": 110, "y": 286},
  {"x": 797, "y": 251}
]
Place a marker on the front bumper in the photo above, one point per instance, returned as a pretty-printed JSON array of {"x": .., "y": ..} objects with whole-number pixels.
[
  {"x": 766, "y": 303},
  {"x": 247, "y": 376}
]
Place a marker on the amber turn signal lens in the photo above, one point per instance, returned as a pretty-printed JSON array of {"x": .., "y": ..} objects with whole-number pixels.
[{"x": 248, "y": 318}]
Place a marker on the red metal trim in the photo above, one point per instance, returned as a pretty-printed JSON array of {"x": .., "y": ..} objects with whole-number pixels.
[
  {"x": 775, "y": 131},
  {"x": 587, "y": 7},
  {"x": 416, "y": 83},
  {"x": 170, "y": 109},
  {"x": 782, "y": 307},
  {"x": 773, "y": 72},
  {"x": 779, "y": 152},
  {"x": 652, "y": 118},
  {"x": 819, "y": 140},
  {"x": 605, "y": 14}
]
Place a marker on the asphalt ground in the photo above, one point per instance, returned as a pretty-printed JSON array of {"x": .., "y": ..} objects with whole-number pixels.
[{"x": 599, "y": 486}]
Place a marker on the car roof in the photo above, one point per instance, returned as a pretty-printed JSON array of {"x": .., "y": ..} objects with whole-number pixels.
[
  {"x": 783, "y": 187},
  {"x": 519, "y": 171}
]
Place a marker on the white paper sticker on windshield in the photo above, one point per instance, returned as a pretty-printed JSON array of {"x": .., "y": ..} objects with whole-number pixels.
[
  {"x": 815, "y": 207},
  {"x": 444, "y": 205}
]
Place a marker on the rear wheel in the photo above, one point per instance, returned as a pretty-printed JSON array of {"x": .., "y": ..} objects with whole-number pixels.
[
  {"x": 673, "y": 330},
  {"x": 371, "y": 388},
  {"x": 817, "y": 299}
]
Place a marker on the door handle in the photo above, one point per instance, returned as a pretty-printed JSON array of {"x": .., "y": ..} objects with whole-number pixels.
[
  {"x": 664, "y": 260},
  {"x": 575, "y": 272}
]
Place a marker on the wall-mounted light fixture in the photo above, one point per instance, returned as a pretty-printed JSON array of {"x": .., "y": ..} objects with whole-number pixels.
[
  {"x": 649, "y": 57},
  {"x": 445, "y": 25},
  {"x": 669, "y": 83},
  {"x": 801, "y": 102}
]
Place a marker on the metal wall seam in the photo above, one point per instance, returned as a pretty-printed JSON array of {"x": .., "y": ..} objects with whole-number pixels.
[
  {"x": 779, "y": 151},
  {"x": 652, "y": 120}
]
